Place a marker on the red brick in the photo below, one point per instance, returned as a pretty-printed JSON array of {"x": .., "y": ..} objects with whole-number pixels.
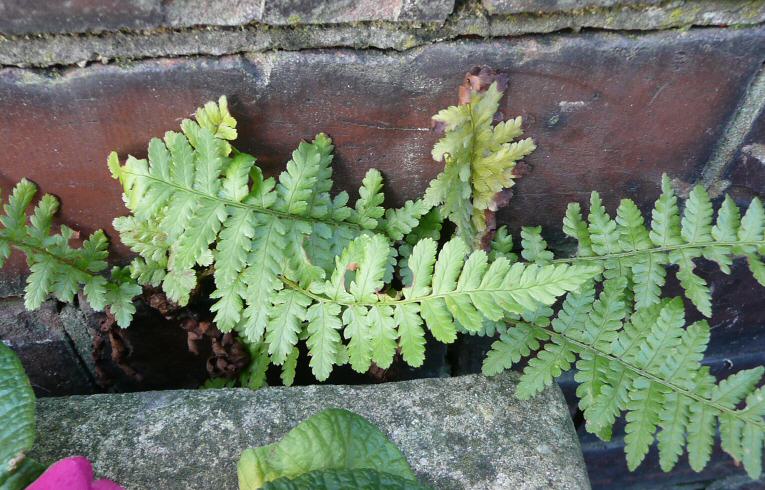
[{"x": 609, "y": 112}]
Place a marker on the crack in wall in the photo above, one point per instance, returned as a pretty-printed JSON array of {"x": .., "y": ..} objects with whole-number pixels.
[
  {"x": 84, "y": 365},
  {"x": 468, "y": 21},
  {"x": 749, "y": 107}
]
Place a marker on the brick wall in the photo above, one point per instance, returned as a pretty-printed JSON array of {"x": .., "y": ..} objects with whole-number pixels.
[{"x": 614, "y": 92}]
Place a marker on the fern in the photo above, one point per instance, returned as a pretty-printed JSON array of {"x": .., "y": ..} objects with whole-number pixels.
[
  {"x": 479, "y": 159},
  {"x": 57, "y": 268},
  {"x": 630, "y": 346},
  {"x": 197, "y": 202},
  {"x": 361, "y": 284},
  {"x": 447, "y": 289},
  {"x": 626, "y": 248}
]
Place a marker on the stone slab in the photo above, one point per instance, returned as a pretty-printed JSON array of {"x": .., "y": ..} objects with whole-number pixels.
[
  {"x": 746, "y": 172},
  {"x": 457, "y": 433},
  {"x": 499, "y": 7},
  {"x": 201, "y": 30},
  {"x": 21, "y": 17}
]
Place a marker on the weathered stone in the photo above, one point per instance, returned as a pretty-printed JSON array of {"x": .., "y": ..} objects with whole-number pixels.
[
  {"x": 608, "y": 112},
  {"x": 57, "y": 50},
  {"x": 465, "y": 432},
  {"x": 54, "y": 367},
  {"x": 32, "y": 16},
  {"x": 293, "y": 12},
  {"x": 18, "y": 17},
  {"x": 521, "y": 6},
  {"x": 738, "y": 141},
  {"x": 185, "y": 13}
]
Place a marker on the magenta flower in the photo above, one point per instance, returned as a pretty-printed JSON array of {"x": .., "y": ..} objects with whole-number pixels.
[{"x": 75, "y": 473}]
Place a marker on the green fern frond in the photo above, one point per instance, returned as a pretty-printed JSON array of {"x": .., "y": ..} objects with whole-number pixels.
[
  {"x": 368, "y": 207},
  {"x": 647, "y": 365},
  {"x": 534, "y": 246},
  {"x": 627, "y": 249},
  {"x": 649, "y": 368},
  {"x": 448, "y": 289},
  {"x": 57, "y": 268},
  {"x": 292, "y": 263},
  {"x": 502, "y": 245},
  {"x": 196, "y": 202}
]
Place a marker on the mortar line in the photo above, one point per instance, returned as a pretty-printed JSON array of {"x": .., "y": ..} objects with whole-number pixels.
[
  {"x": 748, "y": 109},
  {"x": 455, "y": 27}
]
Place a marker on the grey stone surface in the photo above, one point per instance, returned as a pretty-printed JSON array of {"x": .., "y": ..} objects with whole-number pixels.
[
  {"x": 20, "y": 17},
  {"x": 48, "y": 354},
  {"x": 470, "y": 20},
  {"x": 280, "y": 12},
  {"x": 520, "y": 6},
  {"x": 458, "y": 433}
]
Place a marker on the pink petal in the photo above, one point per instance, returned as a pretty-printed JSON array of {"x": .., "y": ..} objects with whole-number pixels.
[
  {"x": 105, "y": 485},
  {"x": 75, "y": 473}
]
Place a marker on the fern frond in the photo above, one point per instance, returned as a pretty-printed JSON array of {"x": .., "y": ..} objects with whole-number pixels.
[
  {"x": 323, "y": 337},
  {"x": 502, "y": 245},
  {"x": 285, "y": 323},
  {"x": 627, "y": 249},
  {"x": 479, "y": 160},
  {"x": 411, "y": 333},
  {"x": 650, "y": 368},
  {"x": 534, "y": 246},
  {"x": 401, "y": 221},
  {"x": 57, "y": 268},
  {"x": 648, "y": 365},
  {"x": 292, "y": 263},
  {"x": 575, "y": 227},
  {"x": 517, "y": 343},
  {"x": 428, "y": 227},
  {"x": 368, "y": 207},
  {"x": 447, "y": 289},
  {"x": 196, "y": 202}
]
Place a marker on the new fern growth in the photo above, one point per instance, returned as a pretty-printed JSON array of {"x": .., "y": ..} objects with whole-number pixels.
[{"x": 362, "y": 284}]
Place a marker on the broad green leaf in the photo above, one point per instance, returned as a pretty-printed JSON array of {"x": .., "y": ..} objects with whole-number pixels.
[
  {"x": 345, "y": 480},
  {"x": 333, "y": 439},
  {"x": 17, "y": 417}
]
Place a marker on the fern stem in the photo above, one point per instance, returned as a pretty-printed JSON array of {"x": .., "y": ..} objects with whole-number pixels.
[
  {"x": 391, "y": 300},
  {"x": 667, "y": 384},
  {"x": 666, "y": 248},
  {"x": 251, "y": 207}
]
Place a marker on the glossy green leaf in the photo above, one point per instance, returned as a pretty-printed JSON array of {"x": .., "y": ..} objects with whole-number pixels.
[{"x": 333, "y": 439}]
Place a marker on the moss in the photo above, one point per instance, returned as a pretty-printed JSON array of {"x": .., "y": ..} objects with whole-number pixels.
[
  {"x": 476, "y": 29},
  {"x": 676, "y": 15},
  {"x": 411, "y": 42}
]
